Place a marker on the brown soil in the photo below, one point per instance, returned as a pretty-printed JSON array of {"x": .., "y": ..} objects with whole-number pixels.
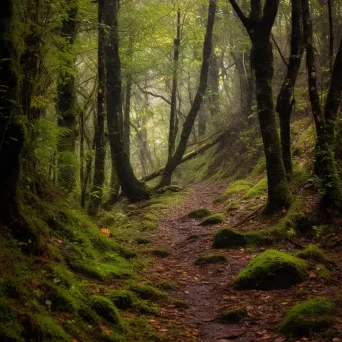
[{"x": 207, "y": 290}]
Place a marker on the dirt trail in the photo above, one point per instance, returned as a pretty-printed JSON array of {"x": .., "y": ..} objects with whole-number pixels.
[{"x": 206, "y": 288}]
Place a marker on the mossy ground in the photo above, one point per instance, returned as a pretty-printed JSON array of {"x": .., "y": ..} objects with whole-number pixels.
[
  {"x": 270, "y": 270},
  {"x": 82, "y": 257},
  {"x": 240, "y": 186},
  {"x": 314, "y": 253},
  {"x": 310, "y": 316}
]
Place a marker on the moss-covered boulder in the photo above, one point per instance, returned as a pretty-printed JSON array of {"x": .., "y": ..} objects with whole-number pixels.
[
  {"x": 233, "y": 315},
  {"x": 272, "y": 270},
  {"x": 227, "y": 238},
  {"x": 258, "y": 189},
  {"x": 106, "y": 309},
  {"x": 199, "y": 213},
  {"x": 211, "y": 259},
  {"x": 212, "y": 219},
  {"x": 310, "y": 316},
  {"x": 312, "y": 252}
]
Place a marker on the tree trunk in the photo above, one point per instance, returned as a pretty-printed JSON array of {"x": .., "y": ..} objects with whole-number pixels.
[
  {"x": 100, "y": 141},
  {"x": 66, "y": 105},
  {"x": 173, "y": 109},
  {"x": 332, "y": 198},
  {"x": 190, "y": 119},
  {"x": 131, "y": 187},
  {"x": 259, "y": 25},
  {"x": 284, "y": 104}
]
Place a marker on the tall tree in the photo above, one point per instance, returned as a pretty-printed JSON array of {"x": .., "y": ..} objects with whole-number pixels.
[
  {"x": 325, "y": 166},
  {"x": 284, "y": 103},
  {"x": 174, "y": 161},
  {"x": 259, "y": 25},
  {"x": 100, "y": 141},
  {"x": 66, "y": 101},
  {"x": 131, "y": 187}
]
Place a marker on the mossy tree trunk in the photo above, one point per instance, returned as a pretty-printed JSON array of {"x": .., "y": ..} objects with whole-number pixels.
[
  {"x": 131, "y": 187},
  {"x": 190, "y": 119},
  {"x": 12, "y": 134},
  {"x": 325, "y": 165},
  {"x": 100, "y": 141},
  {"x": 173, "y": 108},
  {"x": 284, "y": 103},
  {"x": 259, "y": 25},
  {"x": 66, "y": 103}
]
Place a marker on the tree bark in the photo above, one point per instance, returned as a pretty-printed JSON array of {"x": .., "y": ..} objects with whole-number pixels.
[
  {"x": 284, "y": 104},
  {"x": 173, "y": 108},
  {"x": 325, "y": 165},
  {"x": 259, "y": 25},
  {"x": 131, "y": 187},
  {"x": 190, "y": 119},
  {"x": 100, "y": 141},
  {"x": 66, "y": 105},
  {"x": 188, "y": 156}
]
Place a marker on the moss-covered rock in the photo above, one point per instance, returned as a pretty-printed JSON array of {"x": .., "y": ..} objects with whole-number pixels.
[
  {"x": 106, "y": 309},
  {"x": 312, "y": 252},
  {"x": 213, "y": 219},
  {"x": 310, "y": 316},
  {"x": 233, "y": 315},
  {"x": 150, "y": 217},
  {"x": 50, "y": 330},
  {"x": 122, "y": 299},
  {"x": 211, "y": 259},
  {"x": 148, "y": 225},
  {"x": 227, "y": 238},
  {"x": 148, "y": 292},
  {"x": 271, "y": 270},
  {"x": 199, "y": 213}
]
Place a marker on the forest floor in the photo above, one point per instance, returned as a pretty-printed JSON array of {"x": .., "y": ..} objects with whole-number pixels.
[{"x": 206, "y": 289}]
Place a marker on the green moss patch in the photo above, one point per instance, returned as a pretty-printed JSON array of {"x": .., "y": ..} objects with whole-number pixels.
[
  {"x": 142, "y": 241},
  {"x": 106, "y": 309},
  {"x": 51, "y": 330},
  {"x": 148, "y": 292},
  {"x": 211, "y": 259},
  {"x": 310, "y": 316},
  {"x": 150, "y": 217},
  {"x": 233, "y": 315},
  {"x": 213, "y": 219},
  {"x": 227, "y": 238},
  {"x": 258, "y": 189},
  {"x": 237, "y": 187},
  {"x": 312, "y": 252},
  {"x": 199, "y": 213},
  {"x": 122, "y": 299},
  {"x": 148, "y": 225},
  {"x": 271, "y": 270}
]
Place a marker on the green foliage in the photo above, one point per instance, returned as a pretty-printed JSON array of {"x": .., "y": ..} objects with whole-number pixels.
[
  {"x": 311, "y": 316},
  {"x": 312, "y": 252},
  {"x": 106, "y": 309},
  {"x": 211, "y": 259},
  {"x": 272, "y": 269},
  {"x": 199, "y": 213},
  {"x": 233, "y": 315},
  {"x": 123, "y": 299},
  {"x": 212, "y": 219}
]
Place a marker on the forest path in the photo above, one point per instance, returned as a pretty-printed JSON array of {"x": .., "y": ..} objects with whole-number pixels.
[{"x": 206, "y": 289}]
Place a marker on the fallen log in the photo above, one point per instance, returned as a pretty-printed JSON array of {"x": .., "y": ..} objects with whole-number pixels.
[{"x": 187, "y": 156}]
